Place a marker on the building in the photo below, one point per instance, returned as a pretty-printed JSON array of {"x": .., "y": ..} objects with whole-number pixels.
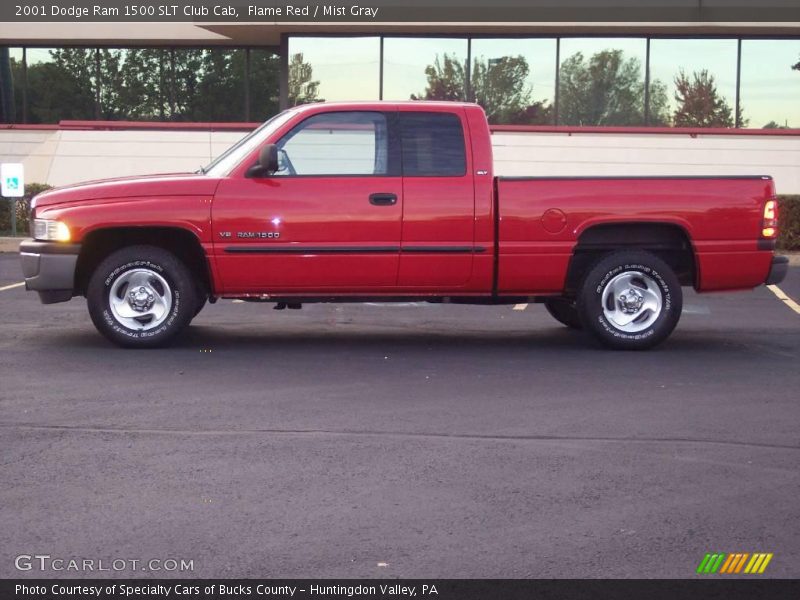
[{"x": 564, "y": 98}]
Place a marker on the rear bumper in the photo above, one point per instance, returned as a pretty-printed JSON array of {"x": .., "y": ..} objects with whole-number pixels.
[
  {"x": 778, "y": 270},
  {"x": 49, "y": 268}
]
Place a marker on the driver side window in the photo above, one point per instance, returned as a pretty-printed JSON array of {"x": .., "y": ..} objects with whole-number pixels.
[{"x": 336, "y": 143}]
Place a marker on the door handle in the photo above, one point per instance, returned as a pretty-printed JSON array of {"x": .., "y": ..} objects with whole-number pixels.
[{"x": 383, "y": 199}]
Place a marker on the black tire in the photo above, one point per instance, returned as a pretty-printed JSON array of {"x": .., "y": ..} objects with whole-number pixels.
[
  {"x": 200, "y": 305},
  {"x": 641, "y": 276},
  {"x": 166, "y": 277},
  {"x": 564, "y": 311}
]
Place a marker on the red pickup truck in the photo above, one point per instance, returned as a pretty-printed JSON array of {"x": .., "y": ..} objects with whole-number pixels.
[{"x": 343, "y": 202}]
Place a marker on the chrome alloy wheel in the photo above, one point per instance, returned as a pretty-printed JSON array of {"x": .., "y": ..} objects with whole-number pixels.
[
  {"x": 140, "y": 299},
  {"x": 632, "y": 301}
]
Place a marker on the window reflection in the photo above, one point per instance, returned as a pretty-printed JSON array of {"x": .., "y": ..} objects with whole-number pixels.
[
  {"x": 514, "y": 79},
  {"x": 333, "y": 69},
  {"x": 770, "y": 84},
  {"x": 16, "y": 113},
  {"x": 171, "y": 84},
  {"x": 60, "y": 84},
  {"x": 264, "y": 84},
  {"x": 700, "y": 77},
  {"x": 424, "y": 69},
  {"x": 601, "y": 82}
]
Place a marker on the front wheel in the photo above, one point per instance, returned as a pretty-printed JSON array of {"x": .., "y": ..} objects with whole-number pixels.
[
  {"x": 141, "y": 297},
  {"x": 630, "y": 300}
]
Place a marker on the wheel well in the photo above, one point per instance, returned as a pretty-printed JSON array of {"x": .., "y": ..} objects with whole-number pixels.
[
  {"x": 182, "y": 243},
  {"x": 667, "y": 241}
]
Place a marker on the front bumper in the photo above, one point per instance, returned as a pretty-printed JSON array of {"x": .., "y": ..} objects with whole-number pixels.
[
  {"x": 49, "y": 268},
  {"x": 778, "y": 270}
]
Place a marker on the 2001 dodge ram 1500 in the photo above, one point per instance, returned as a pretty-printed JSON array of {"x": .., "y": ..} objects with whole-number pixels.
[{"x": 382, "y": 201}]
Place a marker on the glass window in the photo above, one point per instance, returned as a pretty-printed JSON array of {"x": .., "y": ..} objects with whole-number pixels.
[
  {"x": 163, "y": 84},
  {"x": 424, "y": 69},
  {"x": 514, "y": 79},
  {"x": 601, "y": 81},
  {"x": 342, "y": 68},
  {"x": 60, "y": 84},
  {"x": 342, "y": 143},
  {"x": 433, "y": 145},
  {"x": 219, "y": 92},
  {"x": 16, "y": 113},
  {"x": 699, "y": 77},
  {"x": 134, "y": 84},
  {"x": 770, "y": 84},
  {"x": 264, "y": 84}
]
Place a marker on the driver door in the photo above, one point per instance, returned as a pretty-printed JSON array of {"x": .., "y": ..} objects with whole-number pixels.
[{"x": 328, "y": 220}]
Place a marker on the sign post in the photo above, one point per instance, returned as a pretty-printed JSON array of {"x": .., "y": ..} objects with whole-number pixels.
[{"x": 12, "y": 184}]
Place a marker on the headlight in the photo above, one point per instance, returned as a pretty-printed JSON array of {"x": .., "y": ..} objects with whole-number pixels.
[{"x": 55, "y": 231}]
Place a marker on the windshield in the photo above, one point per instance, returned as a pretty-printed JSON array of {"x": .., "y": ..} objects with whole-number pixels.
[{"x": 225, "y": 162}]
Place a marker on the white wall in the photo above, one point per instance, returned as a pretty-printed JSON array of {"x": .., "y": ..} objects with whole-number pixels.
[
  {"x": 68, "y": 156},
  {"x": 650, "y": 154}
]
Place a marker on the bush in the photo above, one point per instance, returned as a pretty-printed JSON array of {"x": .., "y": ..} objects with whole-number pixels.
[
  {"x": 23, "y": 209},
  {"x": 789, "y": 222}
]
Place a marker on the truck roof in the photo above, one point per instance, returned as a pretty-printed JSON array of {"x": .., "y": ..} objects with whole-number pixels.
[{"x": 384, "y": 104}]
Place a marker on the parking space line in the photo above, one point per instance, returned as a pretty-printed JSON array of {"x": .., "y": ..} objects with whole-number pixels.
[
  {"x": 520, "y": 306},
  {"x": 12, "y": 286},
  {"x": 784, "y": 298}
]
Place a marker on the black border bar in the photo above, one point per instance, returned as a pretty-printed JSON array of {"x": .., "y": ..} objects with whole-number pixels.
[
  {"x": 707, "y": 588},
  {"x": 441, "y": 11}
]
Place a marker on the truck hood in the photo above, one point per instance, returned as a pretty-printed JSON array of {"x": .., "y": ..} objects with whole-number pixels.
[{"x": 173, "y": 184}]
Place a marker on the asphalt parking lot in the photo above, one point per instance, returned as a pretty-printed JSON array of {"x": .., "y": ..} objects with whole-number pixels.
[{"x": 401, "y": 441}]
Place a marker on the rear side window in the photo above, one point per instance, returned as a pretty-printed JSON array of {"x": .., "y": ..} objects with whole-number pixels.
[{"x": 433, "y": 145}]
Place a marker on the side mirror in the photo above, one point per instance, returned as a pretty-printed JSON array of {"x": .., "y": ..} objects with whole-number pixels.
[{"x": 267, "y": 162}]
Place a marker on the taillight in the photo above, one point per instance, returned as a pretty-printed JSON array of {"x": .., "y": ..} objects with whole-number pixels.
[{"x": 769, "y": 224}]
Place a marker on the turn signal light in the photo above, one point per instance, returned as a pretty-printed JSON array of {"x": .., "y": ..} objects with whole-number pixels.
[{"x": 769, "y": 224}]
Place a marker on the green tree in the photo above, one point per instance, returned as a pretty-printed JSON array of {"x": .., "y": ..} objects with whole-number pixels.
[
  {"x": 150, "y": 84},
  {"x": 62, "y": 88},
  {"x": 446, "y": 80},
  {"x": 264, "y": 88},
  {"x": 302, "y": 87},
  {"x": 500, "y": 86},
  {"x": 132, "y": 86},
  {"x": 607, "y": 89},
  {"x": 700, "y": 103}
]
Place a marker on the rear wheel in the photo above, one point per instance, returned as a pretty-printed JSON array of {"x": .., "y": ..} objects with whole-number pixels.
[
  {"x": 141, "y": 297},
  {"x": 630, "y": 300},
  {"x": 564, "y": 311}
]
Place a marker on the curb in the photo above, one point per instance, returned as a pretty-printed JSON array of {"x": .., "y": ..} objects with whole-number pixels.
[{"x": 10, "y": 244}]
